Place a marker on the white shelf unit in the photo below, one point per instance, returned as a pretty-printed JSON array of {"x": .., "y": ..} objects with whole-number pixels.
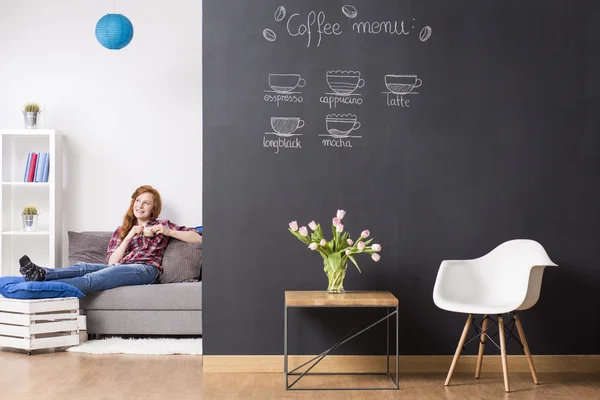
[{"x": 43, "y": 246}]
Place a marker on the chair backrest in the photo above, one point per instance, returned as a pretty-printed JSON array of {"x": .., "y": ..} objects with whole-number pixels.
[
  {"x": 517, "y": 268},
  {"x": 517, "y": 254}
]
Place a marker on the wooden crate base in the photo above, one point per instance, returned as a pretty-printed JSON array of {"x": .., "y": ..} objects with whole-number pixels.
[{"x": 39, "y": 324}]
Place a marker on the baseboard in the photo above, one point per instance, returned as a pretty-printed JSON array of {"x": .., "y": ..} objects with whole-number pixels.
[{"x": 423, "y": 364}]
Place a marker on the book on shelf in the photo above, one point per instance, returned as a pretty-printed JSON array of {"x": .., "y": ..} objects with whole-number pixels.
[
  {"x": 27, "y": 166},
  {"x": 33, "y": 164},
  {"x": 37, "y": 167},
  {"x": 46, "y": 168}
]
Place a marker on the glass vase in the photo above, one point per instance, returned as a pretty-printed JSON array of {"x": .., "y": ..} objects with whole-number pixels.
[{"x": 335, "y": 277}]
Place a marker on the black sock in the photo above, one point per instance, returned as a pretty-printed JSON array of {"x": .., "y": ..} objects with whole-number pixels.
[{"x": 31, "y": 271}]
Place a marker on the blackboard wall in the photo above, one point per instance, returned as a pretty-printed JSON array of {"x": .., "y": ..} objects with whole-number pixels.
[{"x": 498, "y": 140}]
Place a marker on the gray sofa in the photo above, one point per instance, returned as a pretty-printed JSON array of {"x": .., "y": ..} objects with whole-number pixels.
[
  {"x": 160, "y": 309},
  {"x": 171, "y": 307}
]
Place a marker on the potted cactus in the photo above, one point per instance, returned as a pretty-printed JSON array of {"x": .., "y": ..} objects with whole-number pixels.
[
  {"x": 31, "y": 114},
  {"x": 30, "y": 218}
]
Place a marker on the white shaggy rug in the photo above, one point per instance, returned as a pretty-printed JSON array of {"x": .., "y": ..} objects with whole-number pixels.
[{"x": 140, "y": 346}]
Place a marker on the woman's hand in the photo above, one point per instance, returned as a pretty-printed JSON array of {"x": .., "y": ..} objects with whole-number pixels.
[
  {"x": 136, "y": 230},
  {"x": 161, "y": 229}
]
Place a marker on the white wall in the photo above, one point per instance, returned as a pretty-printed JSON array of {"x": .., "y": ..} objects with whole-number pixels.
[{"x": 129, "y": 117}]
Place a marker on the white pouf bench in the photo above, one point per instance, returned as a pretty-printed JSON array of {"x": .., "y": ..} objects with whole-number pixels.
[{"x": 39, "y": 324}]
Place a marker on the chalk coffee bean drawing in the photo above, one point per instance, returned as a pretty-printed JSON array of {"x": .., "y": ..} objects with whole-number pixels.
[
  {"x": 280, "y": 14},
  {"x": 349, "y": 11},
  {"x": 269, "y": 35},
  {"x": 425, "y": 34}
]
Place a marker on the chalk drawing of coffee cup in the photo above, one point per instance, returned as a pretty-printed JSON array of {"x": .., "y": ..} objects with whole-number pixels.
[
  {"x": 340, "y": 125},
  {"x": 344, "y": 83},
  {"x": 285, "y": 83},
  {"x": 402, "y": 84},
  {"x": 285, "y": 126}
]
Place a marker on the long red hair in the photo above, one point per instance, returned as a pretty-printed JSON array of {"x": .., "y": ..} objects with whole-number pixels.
[{"x": 129, "y": 220}]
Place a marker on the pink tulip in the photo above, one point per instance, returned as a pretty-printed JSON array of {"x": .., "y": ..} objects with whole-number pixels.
[
  {"x": 323, "y": 243},
  {"x": 339, "y": 228},
  {"x": 376, "y": 247},
  {"x": 361, "y": 246},
  {"x": 365, "y": 234},
  {"x": 340, "y": 214},
  {"x": 312, "y": 225},
  {"x": 336, "y": 221},
  {"x": 348, "y": 252},
  {"x": 294, "y": 226},
  {"x": 350, "y": 242},
  {"x": 312, "y": 246},
  {"x": 303, "y": 231},
  {"x": 376, "y": 257}
]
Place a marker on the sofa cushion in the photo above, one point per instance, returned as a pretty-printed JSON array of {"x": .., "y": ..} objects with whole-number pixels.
[
  {"x": 182, "y": 262},
  {"x": 144, "y": 322},
  {"x": 15, "y": 287},
  {"x": 171, "y": 296},
  {"x": 88, "y": 247}
]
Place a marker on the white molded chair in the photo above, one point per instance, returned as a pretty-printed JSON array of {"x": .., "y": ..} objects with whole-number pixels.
[{"x": 507, "y": 279}]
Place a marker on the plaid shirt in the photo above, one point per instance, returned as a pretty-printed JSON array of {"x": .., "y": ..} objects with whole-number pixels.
[{"x": 142, "y": 249}]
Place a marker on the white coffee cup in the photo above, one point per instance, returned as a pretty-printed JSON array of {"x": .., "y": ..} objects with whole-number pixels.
[
  {"x": 286, "y": 125},
  {"x": 341, "y": 124},
  {"x": 285, "y": 83},
  {"x": 402, "y": 84},
  {"x": 148, "y": 232},
  {"x": 344, "y": 83}
]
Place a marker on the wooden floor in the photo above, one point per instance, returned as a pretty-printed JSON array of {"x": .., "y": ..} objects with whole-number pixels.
[{"x": 63, "y": 375}]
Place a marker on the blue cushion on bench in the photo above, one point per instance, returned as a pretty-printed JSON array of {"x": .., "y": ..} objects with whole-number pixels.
[{"x": 15, "y": 287}]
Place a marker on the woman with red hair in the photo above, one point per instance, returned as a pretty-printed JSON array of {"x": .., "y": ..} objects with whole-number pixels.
[{"x": 134, "y": 254}]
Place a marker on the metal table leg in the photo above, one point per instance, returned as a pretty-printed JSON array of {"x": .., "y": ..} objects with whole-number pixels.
[{"x": 315, "y": 360}]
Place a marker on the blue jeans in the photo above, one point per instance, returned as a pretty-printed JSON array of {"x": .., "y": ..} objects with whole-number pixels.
[{"x": 93, "y": 277}]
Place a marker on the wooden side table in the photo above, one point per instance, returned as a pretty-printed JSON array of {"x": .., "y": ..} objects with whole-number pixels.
[
  {"x": 311, "y": 299},
  {"x": 39, "y": 323}
]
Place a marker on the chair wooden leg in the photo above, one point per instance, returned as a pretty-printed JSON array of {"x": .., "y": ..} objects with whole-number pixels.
[
  {"x": 503, "y": 351},
  {"x": 481, "y": 346},
  {"x": 461, "y": 343},
  {"x": 526, "y": 348}
]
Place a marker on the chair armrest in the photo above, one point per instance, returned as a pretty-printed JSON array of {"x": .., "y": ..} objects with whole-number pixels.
[{"x": 453, "y": 280}]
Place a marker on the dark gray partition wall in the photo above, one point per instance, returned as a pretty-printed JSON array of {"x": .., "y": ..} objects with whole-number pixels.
[{"x": 445, "y": 127}]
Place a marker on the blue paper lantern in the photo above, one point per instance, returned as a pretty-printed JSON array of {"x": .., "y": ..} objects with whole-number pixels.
[{"x": 114, "y": 31}]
